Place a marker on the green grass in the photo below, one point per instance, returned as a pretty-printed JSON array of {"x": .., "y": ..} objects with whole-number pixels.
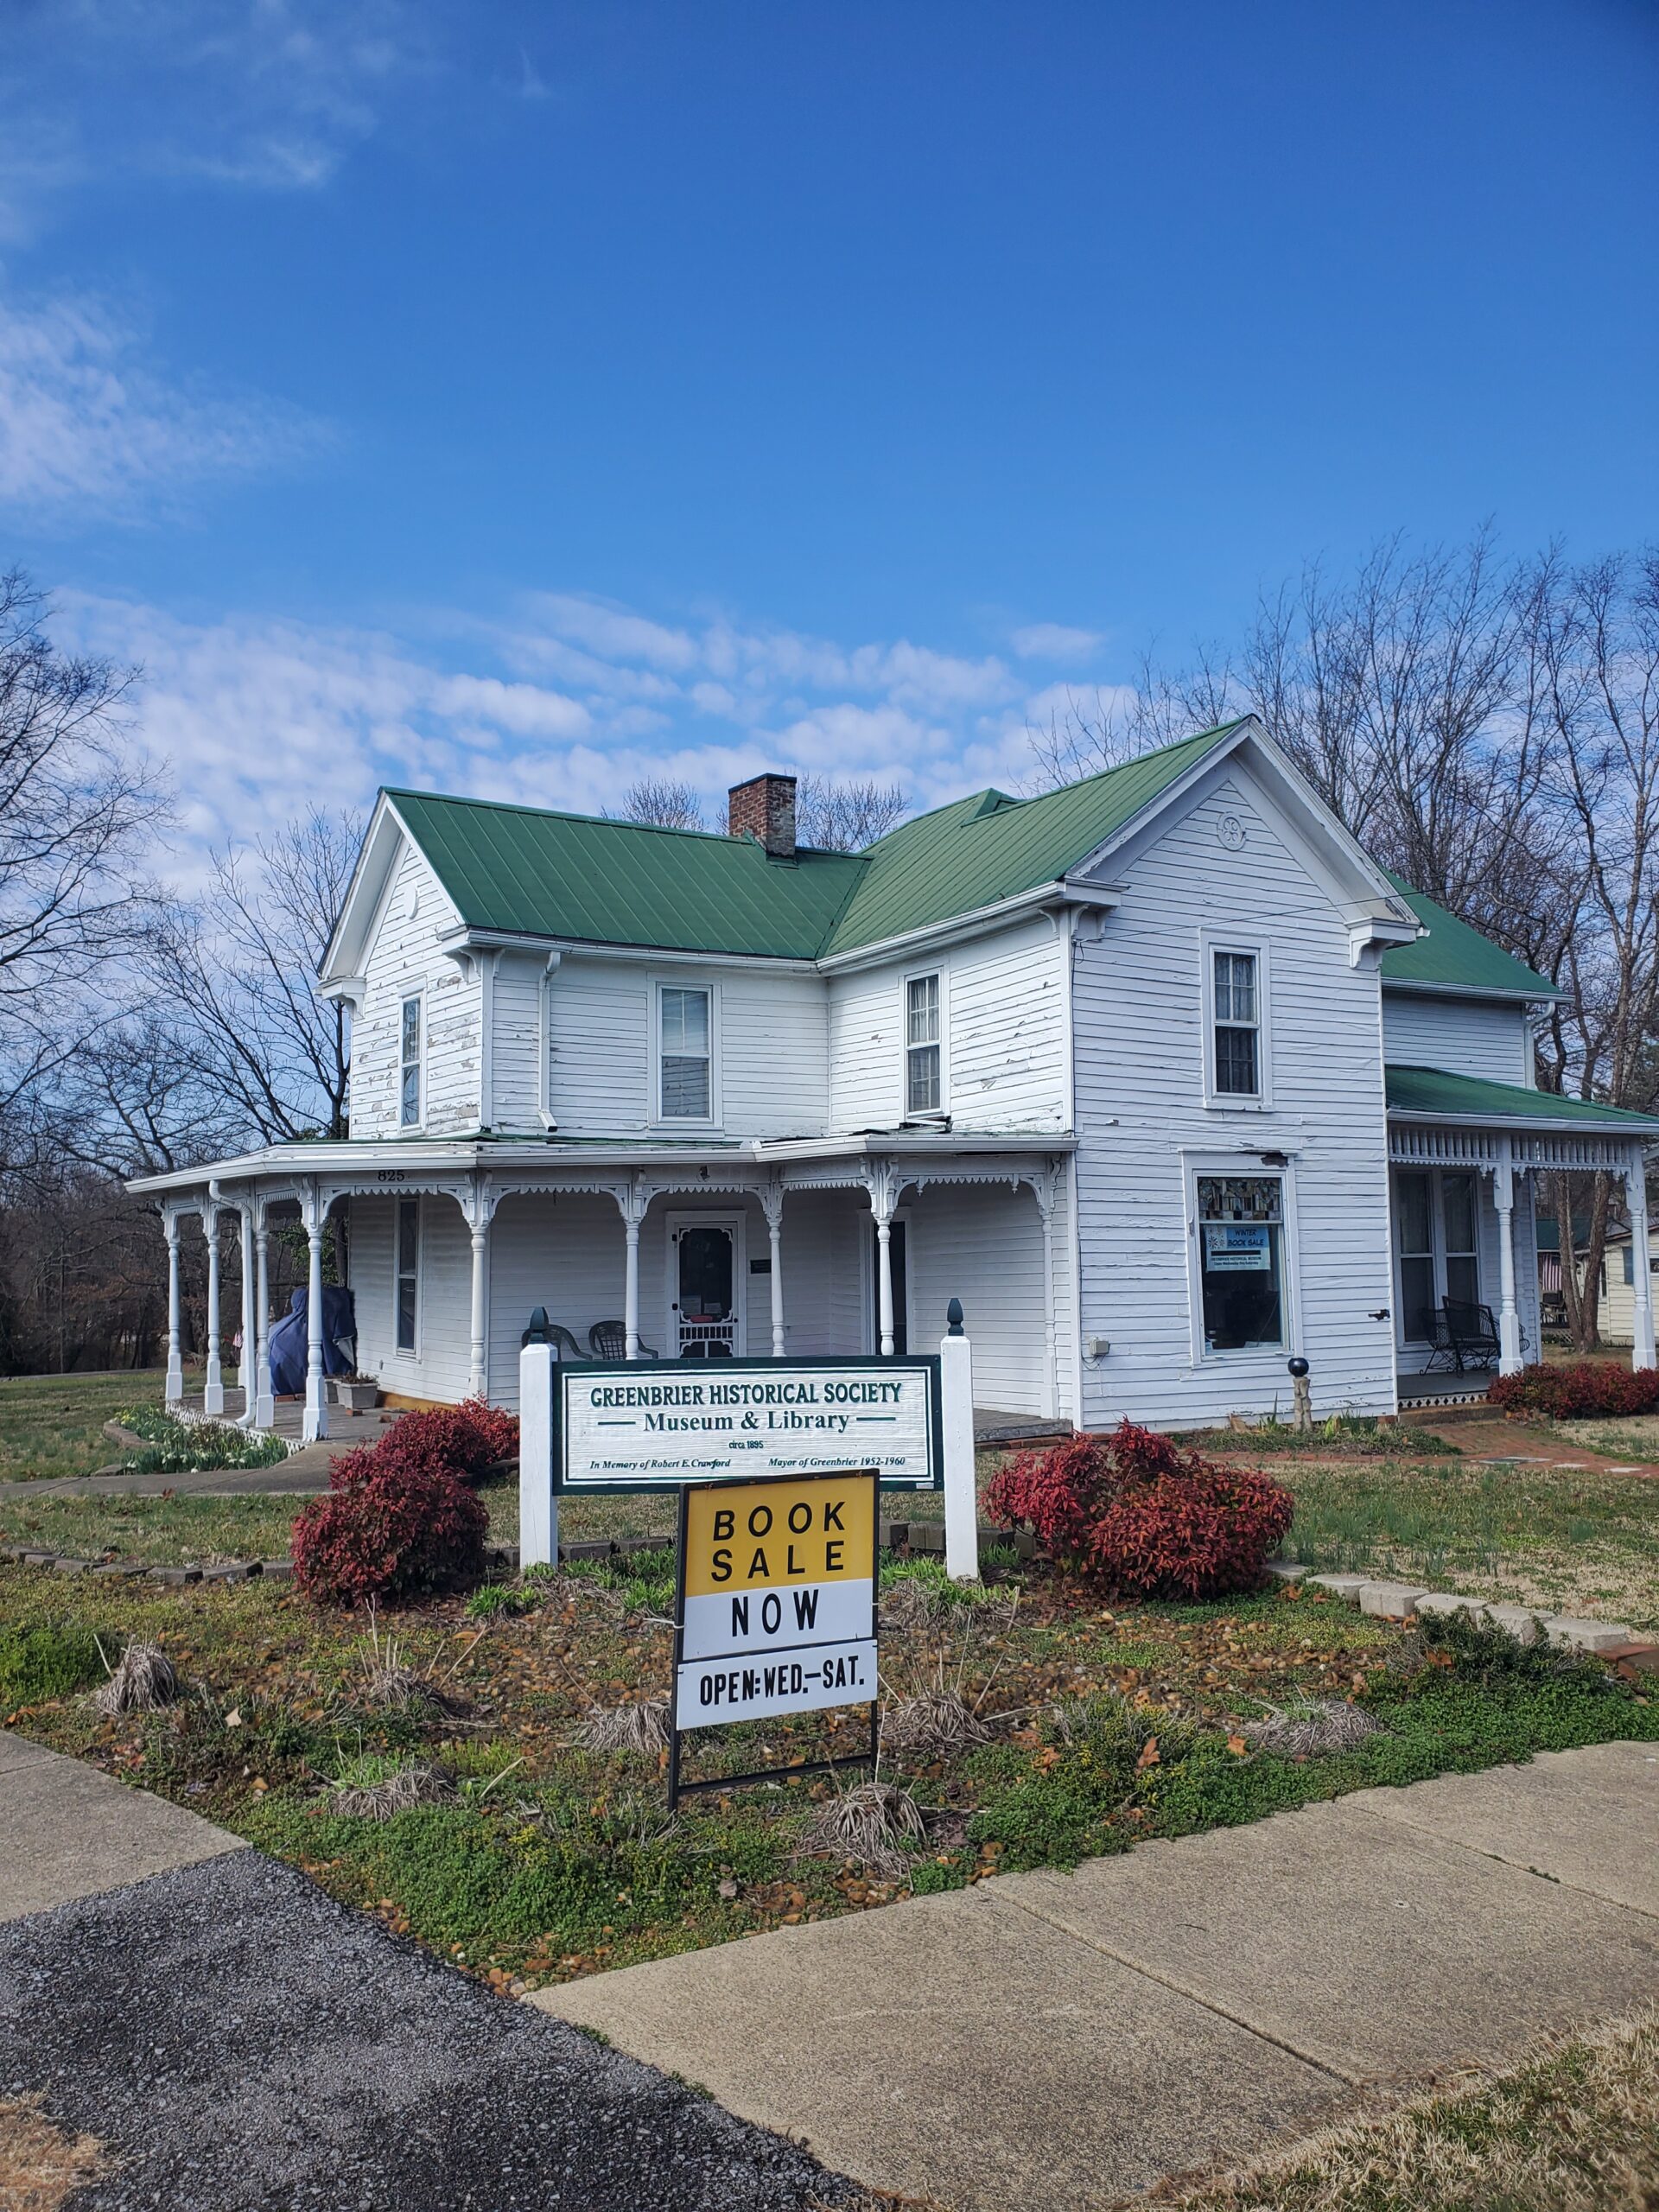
[
  {"x": 52, "y": 1425},
  {"x": 1573, "y": 2128},
  {"x": 1356, "y": 1436},
  {"x": 160, "y": 1531},
  {"x": 1565, "y": 1540},
  {"x": 554, "y": 1860},
  {"x": 1636, "y": 1437},
  {"x": 50, "y": 1660}
]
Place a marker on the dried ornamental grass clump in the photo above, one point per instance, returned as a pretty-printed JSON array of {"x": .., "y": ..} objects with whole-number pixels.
[
  {"x": 871, "y": 1823},
  {"x": 1311, "y": 1727},
  {"x": 1144, "y": 1516},
  {"x": 933, "y": 1724},
  {"x": 142, "y": 1680},
  {"x": 362, "y": 1796},
  {"x": 641, "y": 1727}
]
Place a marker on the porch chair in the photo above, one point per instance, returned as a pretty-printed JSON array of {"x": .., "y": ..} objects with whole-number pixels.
[
  {"x": 1472, "y": 1333},
  {"x": 609, "y": 1340},
  {"x": 564, "y": 1344}
]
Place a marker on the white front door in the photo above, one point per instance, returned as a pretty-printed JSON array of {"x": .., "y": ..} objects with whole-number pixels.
[{"x": 706, "y": 1273}]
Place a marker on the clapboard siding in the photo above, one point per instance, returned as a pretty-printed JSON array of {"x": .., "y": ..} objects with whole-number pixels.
[
  {"x": 982, "y": 1243},
  {"x": 771, "y": 1047},
  {"x": 565, "y": 1252},
  {"x": 1139, "y": 1000},
  {"x": 1477, "y": 1037},
  {"x": 440, "y": 1365},
  {"x": 1004, "y": 1001},
  {"x": 515, "y": 1099},
  {"x": 403, "y": 958}
]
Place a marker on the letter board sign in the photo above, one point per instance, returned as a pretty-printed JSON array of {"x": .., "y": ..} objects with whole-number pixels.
[
  {"x": 649, "y": 1425},
  {"x": 776, "y": 1610}
]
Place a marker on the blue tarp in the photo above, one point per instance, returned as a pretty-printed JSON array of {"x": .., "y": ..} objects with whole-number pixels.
[{"x": 288, "y": 1341}]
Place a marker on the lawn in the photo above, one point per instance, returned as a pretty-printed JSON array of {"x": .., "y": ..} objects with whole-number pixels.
[
  {"x": 1573, "y": 2128},
  {"x": 1566, "y": 1540},
  {"x": 52, "y": 1425},
  {"x": 1070, "y": 1726}
]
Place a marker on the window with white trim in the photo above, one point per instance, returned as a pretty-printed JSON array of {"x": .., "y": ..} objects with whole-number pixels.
[
  {"x": 1242, "y": 1261},
  {"x": 1236, "y": 1006},
  {"x": 406, "y": 1296},
  {"x": 685, "y": 1060},
  {"x": 923, "y": 1047},
  {"x": 410, "y": 1037}
]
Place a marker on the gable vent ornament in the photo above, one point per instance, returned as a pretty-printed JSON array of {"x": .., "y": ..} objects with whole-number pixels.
[{"x": 1231, "y": 832}]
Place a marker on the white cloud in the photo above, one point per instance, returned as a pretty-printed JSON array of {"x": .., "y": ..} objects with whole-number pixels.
[
  {"x": 260, "y": 717},
  {"x": 269, "y": 95},
  {"x": 1055, "y": 641},
  {"x": 85, "y": 423}
]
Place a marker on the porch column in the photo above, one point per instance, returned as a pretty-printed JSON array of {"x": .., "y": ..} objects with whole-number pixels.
[
  {"x": 212, "y": 1390},
  {"x": 174, "y": 1361},
  {"x": 264, "y": 1407},
  {"x": 314, "y": 1426},
  {"x": 1509, "y": 1319},
  {"x": 633, "y": 1203},
  {"x": 1042, "y": 1188},
  {"x": 245, "y": 1364},
  {"x": 1635, "y": 1186},
  {"x": 478, "y": 1380},
  {"x": 880, "y": 1185},
  {"x": 772, "y": 1201}
]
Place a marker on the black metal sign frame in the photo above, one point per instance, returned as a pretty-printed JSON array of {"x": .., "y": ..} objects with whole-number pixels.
[{"x": 678, "y": 1788}]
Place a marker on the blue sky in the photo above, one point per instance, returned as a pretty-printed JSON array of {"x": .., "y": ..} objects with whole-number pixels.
[{"x": 513, "y": 396}]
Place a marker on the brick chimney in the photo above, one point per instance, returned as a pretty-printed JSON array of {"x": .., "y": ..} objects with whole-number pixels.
[{"x": 764, "y": 809}]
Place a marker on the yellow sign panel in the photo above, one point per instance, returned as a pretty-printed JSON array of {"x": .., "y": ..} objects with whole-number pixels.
[{"x": 770, "y": 1535}]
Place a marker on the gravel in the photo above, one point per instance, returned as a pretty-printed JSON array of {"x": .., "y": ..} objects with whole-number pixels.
[{"x": 241, "y": 2041}]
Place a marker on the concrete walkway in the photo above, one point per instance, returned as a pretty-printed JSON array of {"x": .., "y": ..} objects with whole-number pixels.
[{"x": 1049, "y": 2042}]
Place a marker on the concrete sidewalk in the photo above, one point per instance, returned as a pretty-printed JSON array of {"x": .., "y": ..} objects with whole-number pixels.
[{"x": 1049, "y": 2042}]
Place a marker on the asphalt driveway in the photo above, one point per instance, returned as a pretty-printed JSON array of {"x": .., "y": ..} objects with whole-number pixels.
[{"x": 243, "y": 2044}]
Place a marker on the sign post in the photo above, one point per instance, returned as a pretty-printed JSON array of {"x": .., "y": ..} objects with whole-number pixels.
[{"x": 775, "y": 1609}]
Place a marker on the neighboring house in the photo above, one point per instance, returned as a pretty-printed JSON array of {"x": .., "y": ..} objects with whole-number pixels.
[
  {"x": 1159, "y": 1074},
  {"x": 1616, "y": 1313}
]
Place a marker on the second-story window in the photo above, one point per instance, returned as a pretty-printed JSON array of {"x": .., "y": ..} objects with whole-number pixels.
[
  {"x": 1238, "y": 1026},
  {"x": 923, "y": 1089},
  {"x": 687, "y": 1090},
  {"x": 409, "y": 1066}
]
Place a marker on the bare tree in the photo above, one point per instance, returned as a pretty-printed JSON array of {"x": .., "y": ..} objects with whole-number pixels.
[
  {"x": 1102, "y": 728},
  {"x": 1593, "y": 635},
  {"x": 268, "y": 1057},
  {"x": 76, "y": 814},
  {"x": 662, "y": 802},
  {"x": 843, "y": 814}
]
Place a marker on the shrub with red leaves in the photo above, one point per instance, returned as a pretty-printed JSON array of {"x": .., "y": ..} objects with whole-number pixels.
[
  {"x": 464, "y": 1440},
  {"x": 1143, "y": 1514},
  {"x": 1580, "y": 1391},
  {"x": 387, "y": 1528}
]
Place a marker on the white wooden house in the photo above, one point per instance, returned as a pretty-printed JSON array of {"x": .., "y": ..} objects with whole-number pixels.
[{"x": 1159, "y": 1074}]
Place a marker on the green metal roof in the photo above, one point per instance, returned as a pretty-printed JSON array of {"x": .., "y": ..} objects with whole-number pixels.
[
  {"x": 534, "y": 872},
  {"x": 1432, "y": 1090},
  {"x": 989, "y": 846},
  {"x": 1456, "y": 956},
  {"x": 571, "y": 875}
]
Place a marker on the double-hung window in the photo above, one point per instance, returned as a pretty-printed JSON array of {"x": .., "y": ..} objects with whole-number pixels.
[
  {"x": 409, "y": 1065},
  {"x": 685, "y": 1062},
  {"x": 406, "y": 1297},
  {"x": 1236, "y": 987},
  {"x": 924, "y": 1074}
]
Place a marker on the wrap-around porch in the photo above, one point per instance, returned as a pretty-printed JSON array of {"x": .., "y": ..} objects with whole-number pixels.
[
  {"x": 1465, "y": 1156},
  {"x": 637, "y": 1252}
]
